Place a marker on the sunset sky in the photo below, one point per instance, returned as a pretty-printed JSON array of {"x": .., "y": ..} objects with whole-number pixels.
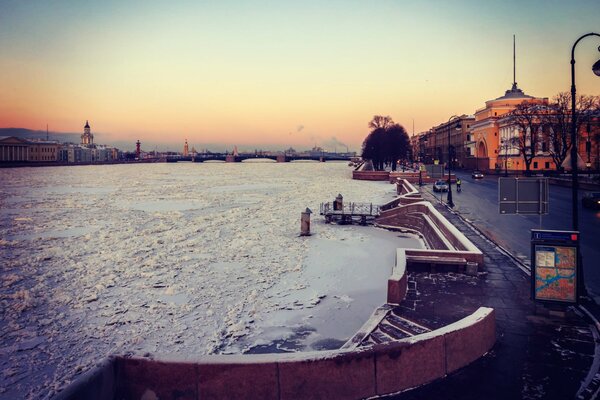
[{"x": 274, "y": 73}]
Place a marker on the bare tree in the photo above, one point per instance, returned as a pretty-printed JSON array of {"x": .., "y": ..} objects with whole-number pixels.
[
  {"x": 529, "y": 119},
  {"x": 560, "y": 119},
  {"x": 379, "y": 121}
]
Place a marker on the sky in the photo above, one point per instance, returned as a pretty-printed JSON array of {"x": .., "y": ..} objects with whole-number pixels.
[{"x": 275, "y": 74}]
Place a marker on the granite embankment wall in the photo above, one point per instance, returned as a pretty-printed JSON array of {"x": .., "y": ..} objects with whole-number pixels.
[
  {"x": 340, "y": 374},
  {"x": 371, "y": 175}
]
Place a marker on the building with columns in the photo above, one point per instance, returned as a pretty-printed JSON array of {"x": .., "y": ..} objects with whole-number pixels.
[
  {"x": 484, "y": 144},
  {"x": 14, "y": 149}
]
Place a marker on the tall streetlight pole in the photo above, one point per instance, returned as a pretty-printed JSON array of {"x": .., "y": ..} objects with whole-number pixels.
[
  {"x": 574, "y": 180},
  {"x": 588, "y": 148},
  {"x": 449, "y": 199},
  {"x": 505, "y": 145}
]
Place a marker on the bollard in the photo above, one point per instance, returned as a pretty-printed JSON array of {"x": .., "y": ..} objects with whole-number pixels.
[
  {"x": 338, "y": 203},
  {"x": 305, "y": 222}
]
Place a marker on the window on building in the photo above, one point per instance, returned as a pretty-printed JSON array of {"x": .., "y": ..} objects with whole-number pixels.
[
  {"x": 547, "y": 165},
  {"x": 535, "y": 165}
]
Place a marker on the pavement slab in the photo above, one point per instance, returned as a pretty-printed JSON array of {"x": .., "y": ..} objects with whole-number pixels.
[{"x": 540, "y": 353}]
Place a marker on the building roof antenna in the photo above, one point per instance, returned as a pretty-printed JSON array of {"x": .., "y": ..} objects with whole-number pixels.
[{"x": 514, "y": 65}]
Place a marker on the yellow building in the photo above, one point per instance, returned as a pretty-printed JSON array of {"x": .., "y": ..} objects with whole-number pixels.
[
  {"x": 484, "y": 137},
  {"x": 43, "y": 151}
]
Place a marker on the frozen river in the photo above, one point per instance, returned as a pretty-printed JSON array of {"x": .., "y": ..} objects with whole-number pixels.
[{"x": 181, "y": 259}]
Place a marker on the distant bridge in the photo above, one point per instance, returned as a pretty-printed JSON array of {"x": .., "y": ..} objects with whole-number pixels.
[{"x": 241, "y": 157}]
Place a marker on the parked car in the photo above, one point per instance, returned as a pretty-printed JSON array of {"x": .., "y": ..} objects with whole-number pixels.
[
  {"x": 477, "y": 175},
  {"x": 440, "y": 186},
  {"x": 591, "y": 200}
]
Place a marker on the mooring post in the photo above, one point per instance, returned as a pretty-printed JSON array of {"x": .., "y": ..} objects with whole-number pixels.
[
  {"x": 339, "y": 203},
  {"x": 305, "y": 222}
]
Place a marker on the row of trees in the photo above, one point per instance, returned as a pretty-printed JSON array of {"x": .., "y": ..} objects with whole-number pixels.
[
  {"x": 550, "y": 124},
  {"x": 387, "y": 143}
]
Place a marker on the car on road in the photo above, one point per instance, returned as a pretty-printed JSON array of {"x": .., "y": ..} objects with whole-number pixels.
[
  {"x": 440, "y": 186},
  {"x": 591, "y": 200},
  {"x": 477, "y": 175}
]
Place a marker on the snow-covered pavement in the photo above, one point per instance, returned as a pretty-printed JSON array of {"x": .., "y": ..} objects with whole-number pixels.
[{"x": 182, "y": 259}]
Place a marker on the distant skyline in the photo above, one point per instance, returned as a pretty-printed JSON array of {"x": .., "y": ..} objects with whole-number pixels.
[{"x": 269, "y": 74}]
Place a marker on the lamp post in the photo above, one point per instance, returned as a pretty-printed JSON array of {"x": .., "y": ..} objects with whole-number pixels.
[
  {"x": 477, "y": 139},
  {"x": 574, "y": 181},
  {"x": 588, "y": 148},
  {"x": 505, "y": 147},
  {"x": 597, "y": 152},
  {"x": 449, "y": 199}
]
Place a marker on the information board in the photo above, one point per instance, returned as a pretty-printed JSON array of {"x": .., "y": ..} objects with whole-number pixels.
[
  {"x": 554, "y": 259},
  {"x": 555, "y": 273}
]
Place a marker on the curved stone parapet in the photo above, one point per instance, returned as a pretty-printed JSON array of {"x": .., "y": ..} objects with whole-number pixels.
[
  {"x": 397, "y": 282},
  {"x": 338, "y": 374},
  {"x": 443, "y": 239}
]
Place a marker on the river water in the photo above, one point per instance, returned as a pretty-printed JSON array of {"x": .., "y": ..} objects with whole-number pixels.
[{"x": 179, "y": 259}]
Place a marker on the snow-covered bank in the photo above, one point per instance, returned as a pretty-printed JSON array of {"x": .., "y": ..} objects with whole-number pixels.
[{"x": 177, "y": 258}]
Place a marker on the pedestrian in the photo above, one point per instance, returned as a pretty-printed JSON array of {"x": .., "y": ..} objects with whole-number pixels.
[{"x": 458, "y": 182}]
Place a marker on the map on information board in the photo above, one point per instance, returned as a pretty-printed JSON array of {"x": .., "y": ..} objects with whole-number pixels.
[{"x": 555, "y": 273}]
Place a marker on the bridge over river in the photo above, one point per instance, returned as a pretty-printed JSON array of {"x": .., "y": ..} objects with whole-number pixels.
[{"x": 242, "y": 157}]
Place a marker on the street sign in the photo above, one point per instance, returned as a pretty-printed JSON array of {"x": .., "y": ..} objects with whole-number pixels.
[
  {"x": 435, "y": 170},
  {"x": 554, "y": 260},
  {"x": 523, "y": 196}
]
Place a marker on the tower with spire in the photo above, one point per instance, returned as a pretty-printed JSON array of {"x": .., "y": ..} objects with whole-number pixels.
[
  {"x": 87, "y": 139},
  {"x": 186, "y": 151},
  {"x": 494, "y": 133}
]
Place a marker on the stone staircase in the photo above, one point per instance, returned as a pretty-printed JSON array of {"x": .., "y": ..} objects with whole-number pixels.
[
  {"x": 393, "y": 327},
  {"x": 386, "y": 325}
]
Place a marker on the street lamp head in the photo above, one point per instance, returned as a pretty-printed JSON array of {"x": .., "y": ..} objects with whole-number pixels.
[{"x": 596, "y": 67}]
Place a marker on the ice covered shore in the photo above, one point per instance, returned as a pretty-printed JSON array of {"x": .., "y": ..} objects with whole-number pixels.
[{"x": 178, "y": 259}]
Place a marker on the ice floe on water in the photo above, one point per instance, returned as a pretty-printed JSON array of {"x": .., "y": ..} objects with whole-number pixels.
[{"x": 184, "y": 259}]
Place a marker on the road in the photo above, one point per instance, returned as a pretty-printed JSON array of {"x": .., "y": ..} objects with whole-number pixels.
[{"x": 478, "y": 203}]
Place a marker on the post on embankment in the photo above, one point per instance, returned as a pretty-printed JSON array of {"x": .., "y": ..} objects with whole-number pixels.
[{"x": 305, "y": 222}]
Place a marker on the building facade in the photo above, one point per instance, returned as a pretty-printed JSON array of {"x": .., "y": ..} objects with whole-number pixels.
[
  {"x": 484, "y": 143},
  {"x": 43, "y": 151},
  {"x": 15, "y": 149},
  {"x": 454, "y": 151}
]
